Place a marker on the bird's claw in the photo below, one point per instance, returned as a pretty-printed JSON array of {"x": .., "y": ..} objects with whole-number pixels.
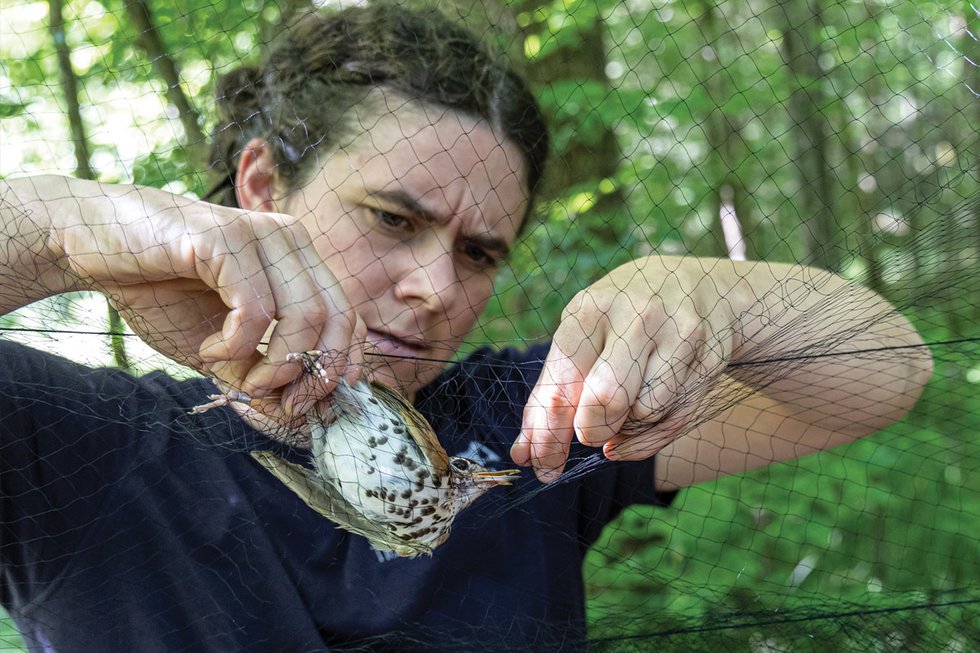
[
  {"x": 312, "y": 362},
  {"x": 217, "y": 401}
]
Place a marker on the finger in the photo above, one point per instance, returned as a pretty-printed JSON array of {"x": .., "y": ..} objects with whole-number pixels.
[
  {"x": 300, "y": 396},
  {"x": 268, "y": 419},
  {"x": 672, "y": 402},
  {"x": 611, "y": 387},
  {"x": 244, "y": 287},
  {"x": 715, "y": 350},
  {"x": 266, "y": 414},
  {"x": 313, "y": 314},
  {"x": 647, "y": 443},
  {"x": 547, "y": 429},
  {"x": 231, "y": 374},
  {"x": 638, "y": 446},
  {"x": 356, "y": 361},
  {"x": 292, "y": 334},
  {"x": 660, "y": 389},
  {"x": 241, "y": 331},
  {"x": 265, "y": 270}
]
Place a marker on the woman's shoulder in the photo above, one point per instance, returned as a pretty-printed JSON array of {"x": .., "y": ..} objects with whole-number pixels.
[
  {"x": 512, "y": 362},
  {"x": 46, "y": 371},
  {"x": 487, "y": 372}
]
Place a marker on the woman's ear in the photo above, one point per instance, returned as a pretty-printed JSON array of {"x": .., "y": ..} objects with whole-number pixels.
[{"x": 255, "y": 183}]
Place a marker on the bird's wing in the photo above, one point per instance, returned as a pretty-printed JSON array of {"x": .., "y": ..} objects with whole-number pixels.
[
  {"x": 420, "y": 429},
  {"x": 326, "y": 500}
]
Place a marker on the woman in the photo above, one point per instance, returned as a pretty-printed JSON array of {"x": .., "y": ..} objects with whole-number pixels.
[{"x": 377, "y": 168}]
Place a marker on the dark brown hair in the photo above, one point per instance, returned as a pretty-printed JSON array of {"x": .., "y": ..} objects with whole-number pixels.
[{"x": 329, "y": 62}]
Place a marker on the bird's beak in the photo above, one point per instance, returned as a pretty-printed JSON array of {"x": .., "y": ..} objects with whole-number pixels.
[{"x": 497, "y": 477}]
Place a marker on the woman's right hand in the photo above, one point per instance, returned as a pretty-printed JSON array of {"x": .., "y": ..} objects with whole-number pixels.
[{"x": 203, "y": 283}]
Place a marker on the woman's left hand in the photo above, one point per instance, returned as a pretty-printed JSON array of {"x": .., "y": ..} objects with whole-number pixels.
[{"x": 643, "y": 344}]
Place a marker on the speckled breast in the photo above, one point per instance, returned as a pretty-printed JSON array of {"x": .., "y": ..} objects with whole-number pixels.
[{"x": 372, "y": 460}]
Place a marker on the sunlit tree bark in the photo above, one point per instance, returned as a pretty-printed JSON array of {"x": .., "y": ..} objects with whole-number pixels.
[
  {"x": 83, "y": 166},
  {"x": 69, "y": 90},
  {"x": 592, "y": 153},
  {"x": 149, "y": 40}
]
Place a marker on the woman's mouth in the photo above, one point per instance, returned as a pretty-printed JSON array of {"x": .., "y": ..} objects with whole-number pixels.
[{"x": 397, "y": 345}]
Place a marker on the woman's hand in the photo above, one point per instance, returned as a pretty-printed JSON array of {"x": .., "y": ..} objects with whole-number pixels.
[
  {"x": 792, "y": 360},
  {"x": 203, "y": 283},
  {"x": 643, "y": 344}
]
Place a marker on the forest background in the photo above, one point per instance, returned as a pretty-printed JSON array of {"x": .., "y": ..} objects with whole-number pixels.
[{"x": 840, "y": 134}]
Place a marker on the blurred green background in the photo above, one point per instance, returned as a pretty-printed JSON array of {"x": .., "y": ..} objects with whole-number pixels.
[{"x": 840, "y": 134}]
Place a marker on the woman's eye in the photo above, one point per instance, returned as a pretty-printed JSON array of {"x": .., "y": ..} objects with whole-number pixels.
[
  {"x": 390, "y": 219},
  {"x": 479, "y": 256}
]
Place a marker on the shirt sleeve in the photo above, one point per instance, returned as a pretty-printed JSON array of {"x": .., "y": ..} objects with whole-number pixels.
[{"x": 68, "y": 433}]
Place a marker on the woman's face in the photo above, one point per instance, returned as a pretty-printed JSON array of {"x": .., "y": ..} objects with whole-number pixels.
[{"x": 413, "y": 218}]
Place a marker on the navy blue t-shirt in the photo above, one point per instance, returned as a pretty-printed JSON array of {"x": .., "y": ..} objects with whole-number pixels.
[{"x": 128, "y": 525}]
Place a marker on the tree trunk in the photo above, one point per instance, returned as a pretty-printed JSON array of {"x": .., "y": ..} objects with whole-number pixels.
[
  {"x": 867, "y": 241},
  {"x": 149, "y": 40},
  {"x": 719, "y": 132},
  {"x": 69, "y": 87},
  {"x": 588, "y": 157},
  {"x": 822, "y": 237},
  {"x": 592, "y": 154},
  {"x": 83, "y": 167},
  {"x": 970, "y": 140}
]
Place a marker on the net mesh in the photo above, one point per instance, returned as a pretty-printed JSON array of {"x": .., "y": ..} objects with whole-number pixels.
[{"x": 801, "y": 142}]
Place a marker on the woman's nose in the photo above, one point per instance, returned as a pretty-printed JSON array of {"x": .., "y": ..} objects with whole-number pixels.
[{"x": 429, "y": 278}]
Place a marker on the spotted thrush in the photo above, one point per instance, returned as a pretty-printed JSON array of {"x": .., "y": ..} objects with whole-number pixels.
[{"x": 379, "y": 470}]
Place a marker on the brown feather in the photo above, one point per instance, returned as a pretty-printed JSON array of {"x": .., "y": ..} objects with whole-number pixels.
[
  {"x": 327, "y": 501},
  {"x": 418, "y": 427}
]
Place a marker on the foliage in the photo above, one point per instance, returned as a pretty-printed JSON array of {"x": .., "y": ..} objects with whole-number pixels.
[
  {"x": 698, "y": 99},
  {"x": 808, "y": 547}
]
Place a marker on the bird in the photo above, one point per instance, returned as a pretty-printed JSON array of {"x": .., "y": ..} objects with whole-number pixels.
[{"x": 379, "y": 470}]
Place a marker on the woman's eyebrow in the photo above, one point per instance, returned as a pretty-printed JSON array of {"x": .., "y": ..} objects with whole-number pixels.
[
  {"x": 490, "y": 243},
  {"x": 409, "y": 204}
]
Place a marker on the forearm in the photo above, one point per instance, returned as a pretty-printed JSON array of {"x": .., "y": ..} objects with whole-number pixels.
[
  {"x": 685, "y": 353},
  {"x": 61, "y": 234},
  {"x": 30, "y": 269},
  {"x": 200, "y": 283},
  {"x": 815, "y": 362},
  {"x": 835, "y": 352}
]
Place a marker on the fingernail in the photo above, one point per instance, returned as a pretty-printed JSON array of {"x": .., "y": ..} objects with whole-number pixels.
[
  {"x": 519, "y": 446},
  {"x": 547, "y": 475}
]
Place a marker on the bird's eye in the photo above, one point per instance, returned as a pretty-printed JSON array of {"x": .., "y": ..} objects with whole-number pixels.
[{"x": 460, "y": 464}]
